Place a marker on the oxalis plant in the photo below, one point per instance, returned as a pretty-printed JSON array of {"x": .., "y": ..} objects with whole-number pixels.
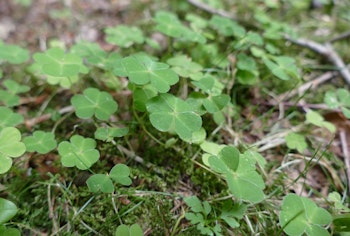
[{"x": 177, "y": 94}]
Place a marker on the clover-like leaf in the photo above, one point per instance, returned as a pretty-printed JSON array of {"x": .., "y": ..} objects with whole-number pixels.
[
  {"x": 109, "y": 133},
  {"x": 296, "y": 141},
  {"x": 230, "y": 213},
  {"x": 93, "y": 53},
  {"x": 226, "y": 26},
  {"x": 10, "y": 147},
  {"x": 94, "y": 102},
  {"x": 13, "y": 54},
  {"x": 247, "y": 71},
  {"x": 283, "y": 68},
  {"x": 216, "y": 103},
  {"x": 143, "y": 70},
  {"x": 9, "y": 118},
  {"x": 251, "y": 38},
  {"x": 120, "y": 173},
  {"x": 56, "y": 63},
  {"x": 125, "y": 230},
  {"x": 142, "y": 95},
  {"x": 7, "y": 210},
  {"x": 169, "y": 24},
  {"x": 315, "y": 118},
  {"x": 124, "y": 36},
  {"x": 171, "y": 114},
  {"x": 240, "y": 174},
  {"x": 9, "y": 95},
  {"x": 337, "y": 99},
  {"x": 184, "y": 66},
  {"x": 41, "y": 142},
  {"x": 79, "y": 152},
  {"x": 100, "y": 182},
  {"x": 300, "y": 215}
]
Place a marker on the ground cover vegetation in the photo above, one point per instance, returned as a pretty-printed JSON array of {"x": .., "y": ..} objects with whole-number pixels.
[{"x": 176, "y": 118}]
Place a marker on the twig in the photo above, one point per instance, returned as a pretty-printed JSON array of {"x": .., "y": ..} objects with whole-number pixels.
[
  {"x": 309, "y": 85},
  {"x": 301, "y": 105},
  {"x": 340, "y": 37},
  {"x": 344, "y": 144},
  {"x": 31, "y": 122},
  {"x": 211, "y": 10},
  {"x": 205, "y": 7},
  {"x": 327, "y": 51}
]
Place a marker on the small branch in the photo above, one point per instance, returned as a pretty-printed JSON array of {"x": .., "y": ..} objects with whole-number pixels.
[
  {"x": 309, "y": 85},
  {"x": 208, "y": 8},
  {"x": 31, "y": 122},
  {"x": 327, "y": 51},
  {"x": 344, "y": 145},
  {"x": 340, "y": 37}
]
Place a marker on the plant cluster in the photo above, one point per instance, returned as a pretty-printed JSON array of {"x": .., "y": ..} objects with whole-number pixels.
[{"x": 180, "y": 99}]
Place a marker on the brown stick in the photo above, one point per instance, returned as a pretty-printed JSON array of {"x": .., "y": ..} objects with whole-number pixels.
[
  {"x": 327, "y": 51},
  {"x": 344, "y": 145}
]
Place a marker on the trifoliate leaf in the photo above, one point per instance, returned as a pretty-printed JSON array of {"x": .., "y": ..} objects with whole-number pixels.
[
  {"x": 300, "y": 215},
  {"x": 10, "y": 147},
  {"x": 41, "y": 142},
  {"x": 100, "y": 182},
  {"x": 79, "y": 152},
  {"x": 124, "y": 36},
  {"x": 143, "y": 70},
  {"x": 296, "y": 141},
  {"x": 171, "y": 114},
  {"x": 13, "y": 54},
  {"x": 94, "y": 102},
  {"x": 120, "y": 173},
  {"x": 9, "y": 118}
]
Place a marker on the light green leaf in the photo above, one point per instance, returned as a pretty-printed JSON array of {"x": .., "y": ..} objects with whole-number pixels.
[
  {"x": 94, "y": 102},
  {"x": 9, "y": 118},
  {"x": 10, "y": 147},
  {"x": 331, "y": 99},
  {"x": 316, "y": 119},
  {"x": 41, "y": 142},
  {"x": 184, "y": 66},
  {"x": 171, "y": 114},
  {"x": 9, "y": 96},
  {"x": 216, "y": 103},
  {"x": 79, "y": 152},
  {"x": 93, "y": 53},
  {"x": 284, "y": 67},
  {"x": 142, "y": 95},
  {"x": 243, "y": 180},
  {"x": 296, "y": 141},
  {"x": 55, "y": 62},
  {"x": 109, "y": 133},
  {"x": 344, "y": 96},
  {"x": 100, "y": 182},
  {"x": 230, "y": 156},
  {"x": 195, "y": 204},
  {"x": 247, "y": 72},
  {"x": 124, "y": 36},
  {"x": 7, "y": 210},
  {"x": 301, "y": 215},
  {"x": 120, "y": 173},
  {"x": 125, "y": 230},
  {"x": 226, "y": 26},
  {"x": 255, "y": 157},
  {"x": 169, "y": 24},
  {"x": 143, "y": 70},
  {"x": 9, "y": 231},
  {"x": 13, "y": 54}
]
